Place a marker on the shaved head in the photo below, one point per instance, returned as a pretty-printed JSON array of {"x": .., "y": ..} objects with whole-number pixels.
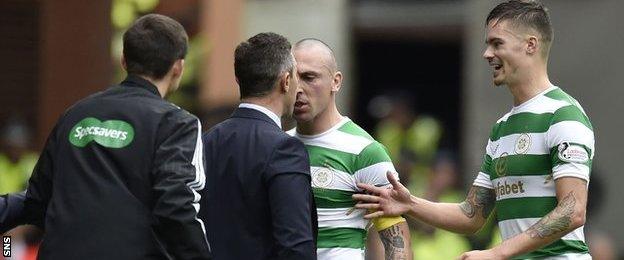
[{"x": 325, "y": 52}]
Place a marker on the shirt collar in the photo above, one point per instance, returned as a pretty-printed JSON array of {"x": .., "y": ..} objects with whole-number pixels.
[
  {"x": 137, "y": 81},
  {"x": 264, "y": 110}
]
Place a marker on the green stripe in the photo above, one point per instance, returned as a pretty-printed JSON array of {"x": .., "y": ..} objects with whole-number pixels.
[
  {"x": 571, "y": 113},
  {"x": 373, "y": 153},
  {"x": 521, "y": 165},
  {"x": 341, "y": 237},
  {"x": 537, "y": 123},
  {"x": 346, "y": 162},
  {"x": 522, "y": 123},
  {"x": 325, "y": 157},
  {"x": 326, "y": 198},
  {"x": 558, "y": 94},
  {"x": 530, "y": 207},
  {"x": 558, "y": 247},
  {"x": 486, "y": 166},
  {"x": 353, "y": 129}
]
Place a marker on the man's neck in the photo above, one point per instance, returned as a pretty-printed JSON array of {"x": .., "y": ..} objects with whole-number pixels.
[
  {"x": 266, "y": 102},
  {"x": 321, "y": 123},
  {"x": 529, "y": 87},
  {"x": 161, "y": 85}
]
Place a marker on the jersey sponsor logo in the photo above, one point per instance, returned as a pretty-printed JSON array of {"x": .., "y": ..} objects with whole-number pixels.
[
  {"x": 322, "y": 177},
  {"x": 110, "y": 133},
  {"x": 503, "y": 188},
  {"x": 523, "y": 143},
  {"x": 501, "y": 165},
  {"x": 572, "y": 153}
]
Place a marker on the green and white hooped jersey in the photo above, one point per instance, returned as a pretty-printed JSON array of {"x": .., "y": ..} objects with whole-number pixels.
[
  {"x": 339, "y": 158},
  {"x": 539, "y": 141}
]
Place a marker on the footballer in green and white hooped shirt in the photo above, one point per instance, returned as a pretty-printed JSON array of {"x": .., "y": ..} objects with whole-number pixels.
[
  {"x": 536, "y": 169},
  {"x": 341, "y": 155}
]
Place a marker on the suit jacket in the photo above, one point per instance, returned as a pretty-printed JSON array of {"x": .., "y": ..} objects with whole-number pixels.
[
  {"x": 258, "y": 202},
  {"x": 10, "y": 210}
]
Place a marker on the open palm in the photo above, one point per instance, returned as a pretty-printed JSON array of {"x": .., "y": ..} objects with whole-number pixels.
[{"x": 381, "y": 201}]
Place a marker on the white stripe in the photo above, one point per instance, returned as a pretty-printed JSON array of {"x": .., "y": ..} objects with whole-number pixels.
[
  {"x": 339, "y": 141},
  {"x": 512, "y": 227},
  {"x": 570, "y": 131},
  {"x": 340, "y": 254},
  {"x": 376, "y": 174},
  {"x": 577, "y": 170},
  {"x": 504, "y": 118},
  {"x": 200, "y": 178},
  {"x": 483, "y": 180},
  {"x": 198, "y": 162},
  {"x": 338, "y": 180},
  {"x": 507, "y": 145},
  {"x": 510, "y": 187},
  {"x": 541, "y": 105},
  {"x": 338, "y": 218},
  {"x": 570, "y": 256}
]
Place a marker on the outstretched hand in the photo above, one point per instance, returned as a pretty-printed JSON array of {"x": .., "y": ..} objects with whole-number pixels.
[{"x": 381, "y": 201}]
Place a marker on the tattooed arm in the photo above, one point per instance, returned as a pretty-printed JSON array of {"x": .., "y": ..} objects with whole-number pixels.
[
  {"x": 566, "y": 217},
  {"x": 466, "y": 217},
  {"x": 396, "y": 241}
]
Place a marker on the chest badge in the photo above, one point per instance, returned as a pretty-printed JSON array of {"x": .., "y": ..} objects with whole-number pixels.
[
  {"x": 523, "y": 144},
  {"x": 322, "y": 177}
]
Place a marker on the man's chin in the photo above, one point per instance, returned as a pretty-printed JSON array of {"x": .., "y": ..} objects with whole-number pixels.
[
  {"x": 301, "y": 117},
  {"x": 498, "y": 82}
]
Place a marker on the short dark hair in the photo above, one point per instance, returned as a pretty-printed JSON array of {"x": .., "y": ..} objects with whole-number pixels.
[
  {"x": 259, "y": 62},
  {"x": 529, "y": 13},
  {"x": 152, "y": 44}
]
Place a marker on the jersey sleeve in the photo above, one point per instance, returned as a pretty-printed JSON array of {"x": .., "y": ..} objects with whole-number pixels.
[
  {"x": 570, "y": 139},
  {"x": 483, "y": 177},
  {"x": 373, "y": 163}
]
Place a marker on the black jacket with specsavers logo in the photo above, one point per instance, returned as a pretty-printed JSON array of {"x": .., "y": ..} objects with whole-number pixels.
[{"x": 118, "y": 179}]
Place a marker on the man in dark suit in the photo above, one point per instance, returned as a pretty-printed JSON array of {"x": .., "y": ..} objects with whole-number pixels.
[
  {"x": 11, "y": 206},
  {"x": 257, "y": 203}
]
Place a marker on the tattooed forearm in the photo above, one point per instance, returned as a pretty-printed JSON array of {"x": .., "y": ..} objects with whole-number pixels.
[
  {"x": 556, "y": 221},
  {"x": 394, "y": 246},
  {"x": 478, "y": 199}
]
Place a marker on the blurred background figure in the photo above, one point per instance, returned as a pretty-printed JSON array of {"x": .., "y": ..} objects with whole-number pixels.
[
  {"x": 600, "y": 242},
  {"x": 411, "y": 138},
  {"x": 17, "y": 161}
]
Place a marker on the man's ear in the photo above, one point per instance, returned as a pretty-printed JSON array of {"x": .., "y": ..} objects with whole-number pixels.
[
  {"x": 337, "y": 83},
  {"x": 124, "y": 65},
  {"x": 178, "y": 68},
  {"x": 285, "y": 82},
  {"x": 532, "y": 45}
]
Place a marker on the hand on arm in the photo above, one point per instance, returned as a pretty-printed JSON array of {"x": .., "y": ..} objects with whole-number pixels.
[
  {"x": 566, "y": 217},
  {"x": 466, "y": 217}
]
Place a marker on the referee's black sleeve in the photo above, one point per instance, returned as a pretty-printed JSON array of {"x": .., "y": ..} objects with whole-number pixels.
[
  {"x": 177, "y": 176},
  {"x": 39, "y": 189},
  {"x": 10, "y": 209}
]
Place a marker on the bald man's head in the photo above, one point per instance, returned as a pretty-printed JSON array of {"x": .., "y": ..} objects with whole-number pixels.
[{"x": 324, "y": 51}]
